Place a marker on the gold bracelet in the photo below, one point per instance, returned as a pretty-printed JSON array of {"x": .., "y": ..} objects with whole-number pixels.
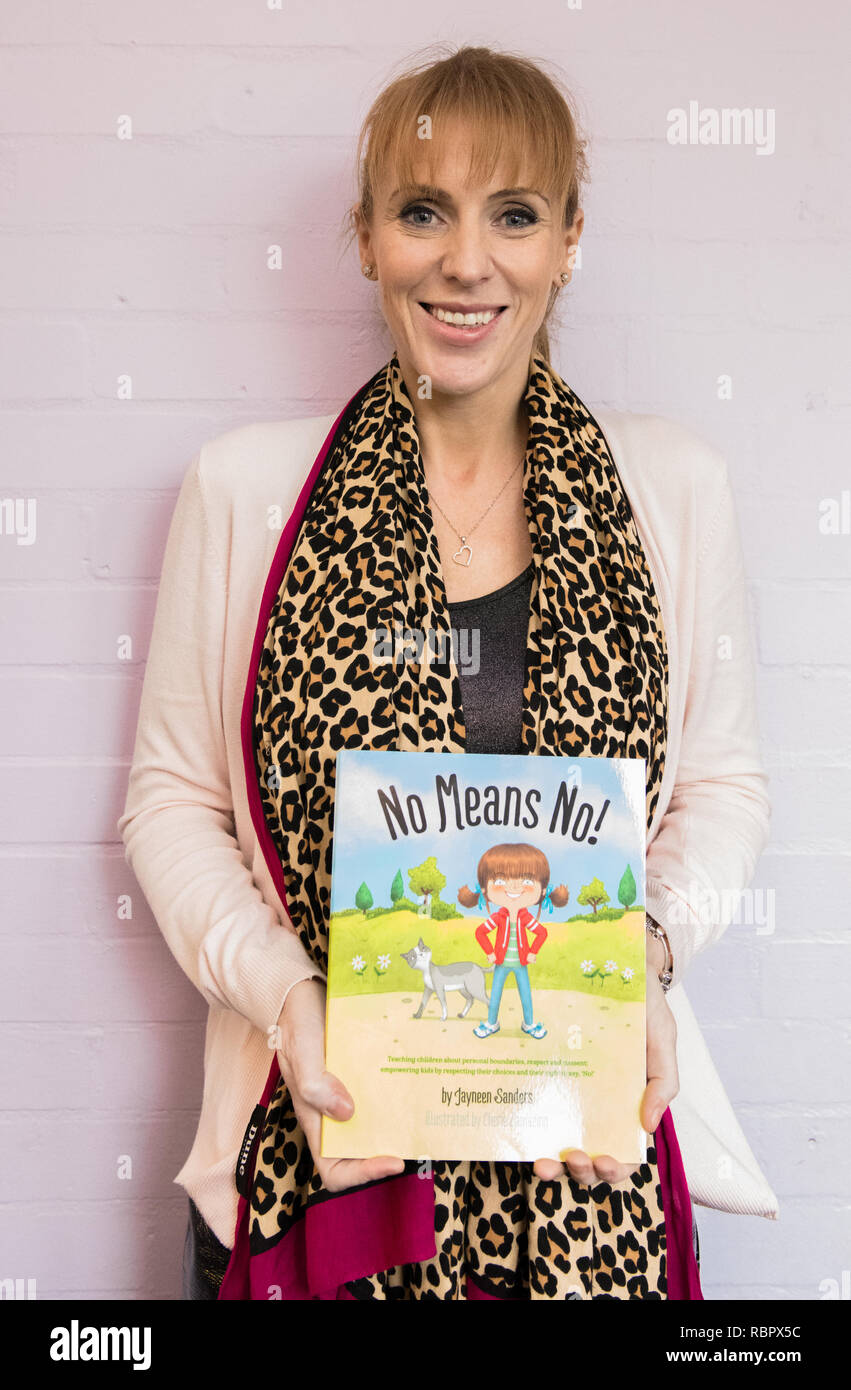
[{"x": 666, "y": 977}]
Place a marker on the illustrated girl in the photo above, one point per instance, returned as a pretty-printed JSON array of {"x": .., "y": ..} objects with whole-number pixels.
[{"x": 516, "y": 878}]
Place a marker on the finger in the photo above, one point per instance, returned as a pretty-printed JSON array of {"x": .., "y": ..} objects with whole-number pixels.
[
  {"x": 663, "y": 1081},
  {"x": 337, "y": 1174},
  {"x": 654, "y": 1103},
  {"x": 325, "y": 1092},
  {"x": 579, "y": 1166},
  {"x": 608, "y": 1169},
  {"x": 314, "y": 1090},
  {"x": 309, "y": 1117},
  {"x": 304, "y": 1071},
  {"x": 582, "y": 1168},
  {"x": 548, "y": 1168}
]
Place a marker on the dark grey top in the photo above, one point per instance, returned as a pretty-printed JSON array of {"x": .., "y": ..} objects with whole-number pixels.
[{"x": 491, "y": 632}]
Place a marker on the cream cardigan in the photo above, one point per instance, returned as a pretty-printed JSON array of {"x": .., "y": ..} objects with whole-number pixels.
[{"x": 188, "y": 832}]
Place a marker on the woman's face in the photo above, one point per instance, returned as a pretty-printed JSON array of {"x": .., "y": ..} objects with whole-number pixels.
[{"x": 465, "y": 249}]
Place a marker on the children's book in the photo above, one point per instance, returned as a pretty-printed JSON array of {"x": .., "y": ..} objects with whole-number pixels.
[{"x": 486, "y": 976}]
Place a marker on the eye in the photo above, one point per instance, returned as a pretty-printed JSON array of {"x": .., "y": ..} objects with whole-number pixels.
[
  {"x": 407, "y": 214},
  {"x": 499, "y": 882},
  {"x": 528, "y": 883},
  {"x": 523, "y": 212},
  {"x": 420, "y": 215}
]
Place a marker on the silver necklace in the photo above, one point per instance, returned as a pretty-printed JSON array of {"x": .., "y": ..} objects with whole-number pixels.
[{"x": 465, "y": 544}]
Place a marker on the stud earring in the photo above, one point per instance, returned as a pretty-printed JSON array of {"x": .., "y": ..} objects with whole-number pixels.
[
  {"x": 367, "y": 271},
  {"x": 564, "y": 277}
]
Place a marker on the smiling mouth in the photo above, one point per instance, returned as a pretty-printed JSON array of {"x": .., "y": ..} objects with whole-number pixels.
[{"x": 475, "y": 319}]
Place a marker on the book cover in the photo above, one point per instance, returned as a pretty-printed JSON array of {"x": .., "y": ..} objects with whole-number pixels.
[{"x": 486, "y": 976}]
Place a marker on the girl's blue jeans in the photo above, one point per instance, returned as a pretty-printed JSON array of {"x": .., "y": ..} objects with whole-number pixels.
[{"x": 521, "y": 975}]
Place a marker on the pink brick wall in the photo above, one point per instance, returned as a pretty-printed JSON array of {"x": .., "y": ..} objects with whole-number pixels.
[{"x": 146, "y": 258}]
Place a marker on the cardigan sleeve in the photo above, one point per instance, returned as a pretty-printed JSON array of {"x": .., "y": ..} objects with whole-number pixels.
[
  {"x": 178, "y": 821},
  {"x": 717, "y": 823}
]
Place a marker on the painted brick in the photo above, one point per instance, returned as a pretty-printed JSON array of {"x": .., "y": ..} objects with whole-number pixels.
[{"x": 92, "y": 887}]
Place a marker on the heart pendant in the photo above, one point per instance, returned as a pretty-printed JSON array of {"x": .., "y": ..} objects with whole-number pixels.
[{"x": 460, "y": 551}]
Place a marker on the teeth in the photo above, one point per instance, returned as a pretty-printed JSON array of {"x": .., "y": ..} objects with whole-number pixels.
[{"x": 463, "y": 320}]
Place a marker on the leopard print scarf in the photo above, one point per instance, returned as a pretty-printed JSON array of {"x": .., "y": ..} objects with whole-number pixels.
[{"x": 366, "y": 560}]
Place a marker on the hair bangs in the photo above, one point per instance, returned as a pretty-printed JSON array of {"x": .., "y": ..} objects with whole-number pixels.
[
  {"x": 513, "y": 861},
  {"x": 501, "y": 140}
]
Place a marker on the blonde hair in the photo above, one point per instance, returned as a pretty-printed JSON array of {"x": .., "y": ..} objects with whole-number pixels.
[{"x": 515, "y": 111}]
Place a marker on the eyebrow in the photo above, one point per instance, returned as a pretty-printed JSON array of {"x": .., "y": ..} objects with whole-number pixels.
[{"x": 432, "y": 194}]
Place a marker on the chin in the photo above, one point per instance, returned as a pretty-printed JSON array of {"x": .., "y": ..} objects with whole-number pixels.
[{"x": 452, "y": 374}]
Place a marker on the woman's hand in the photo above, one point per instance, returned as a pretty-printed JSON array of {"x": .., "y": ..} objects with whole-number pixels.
[
  {"x": 663, "y": 1083},
  {"x": 315, "y": 1092}
]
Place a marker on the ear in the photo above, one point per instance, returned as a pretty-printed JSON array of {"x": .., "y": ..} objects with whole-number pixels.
[
  {"x": 571, "y": 242},
  {"x": 364, "y": 236}
]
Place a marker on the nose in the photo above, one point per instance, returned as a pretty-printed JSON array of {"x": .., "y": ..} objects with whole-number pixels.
[{"x": 466, "y": 256}]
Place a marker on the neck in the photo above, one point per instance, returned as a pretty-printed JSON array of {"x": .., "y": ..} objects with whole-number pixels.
[{"x": 468, "y": 437}]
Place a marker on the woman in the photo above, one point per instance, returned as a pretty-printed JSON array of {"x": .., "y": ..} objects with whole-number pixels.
[{"x": 465, "y": 484}]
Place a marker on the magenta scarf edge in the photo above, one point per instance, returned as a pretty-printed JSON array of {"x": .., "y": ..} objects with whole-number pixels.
[{"x": 683, "y": 1275}]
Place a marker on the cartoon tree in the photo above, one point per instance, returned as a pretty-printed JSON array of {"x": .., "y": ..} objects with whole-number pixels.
[
  {"x": 363, "y": 899},
  {"x": 593, "y": 895},
  {"x": 427, "y": 881},
  {"x": 627, "y": 889},
  {"x": 397, "y": 887}
]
